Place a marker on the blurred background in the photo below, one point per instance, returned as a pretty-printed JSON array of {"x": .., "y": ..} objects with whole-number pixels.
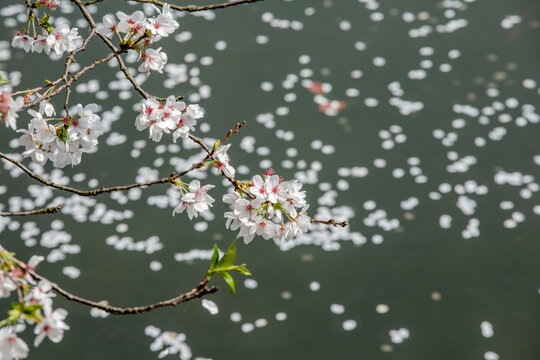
[{"x": 415, "y": 121}]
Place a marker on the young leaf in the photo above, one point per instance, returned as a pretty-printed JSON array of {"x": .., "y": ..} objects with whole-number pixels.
[
  {"x": 225, "y": 264},
  {"x": 216, "y": 146},
  {"x": 229, "y": 279},
  {"x": 228, "y": 259},
  {"x": 242, "y": 269},
  {"x": 215, "y": 257}
]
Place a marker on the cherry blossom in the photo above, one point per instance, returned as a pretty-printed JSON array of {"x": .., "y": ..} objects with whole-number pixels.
[
  {"x": 164, "y": 24},
  {"x": 161, "y": 118},
  {"x": 152, "y": 60},
  {"x": 196, "y": 200},
  {"x": 65, "y": 142},
  {"x": 274, "y": 201},
  {"x": 41, "y": 294},
  {"x": 6, "y": 285},
  {"x": 64, "y": 39},
  {"x": 23, "y": 41},
  {"x": 108, "y": 27},
  {"x": 133, "y": 23},
  {"x": 11, "y": 346},
  {"x": 43, "y": 43},
  {"x": 222, "y": 161},
  {"x": 187, "y": 121},
  {"x": 9, "y": 107},
  {"x": 51, "y": 326}
]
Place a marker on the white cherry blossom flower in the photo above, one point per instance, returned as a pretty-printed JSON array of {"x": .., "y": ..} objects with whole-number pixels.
[
  {"x": 41, "y": 294},
  {"x": 275, "y": 189},
  {"x": 164, "y": 24},
  {"x": 258, "y": 187},
  {"x": 23, "y": 41},
  {"x": 11, "y": 346},
  {"x": 247, "y": 231},
  {"x": 222, "y": 161},
  {"x": 43, "y": 43},
  {"x": 196, "y": 200},
  {"x": 64, "y": 39},
  {"x": 45, "y": 107},
  {"x": 108, "y": 26},
  {"x": 187, "y": 121},
  {"x": 51, "y": 326},
  {"x": 131, "y": 23},
  {"x": 9, "y": 107},
  {"x": 152, "y": 60},
  {"x": 6, "y": 286}
]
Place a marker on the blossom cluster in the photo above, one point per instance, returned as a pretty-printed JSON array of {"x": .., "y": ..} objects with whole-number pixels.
[
  {"x": 9, "y": 107},
  {"x": 172, "y": 115},
  {"x": 66, "y": 141},
  {"x": 139, "y": 30},
  {"x": 35, "y": 307},
  {"x": 60, "y": 39},
  {"x": 271, "y": 201},
  {"x": 195, "y": 199}
]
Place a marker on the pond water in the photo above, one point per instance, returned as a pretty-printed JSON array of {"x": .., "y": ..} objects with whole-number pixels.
[{"x": 414, "y": 121}]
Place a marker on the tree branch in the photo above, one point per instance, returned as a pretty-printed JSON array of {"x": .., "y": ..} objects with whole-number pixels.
[
  {"x": 102, "y": 190},
  {"x": 50, "y": 210},
  {"x": 199, "y": 291},
  {"x": 66, "y": 84},
  {"x": 331, "y": 222},
  {"x": 199, "y": 8}
]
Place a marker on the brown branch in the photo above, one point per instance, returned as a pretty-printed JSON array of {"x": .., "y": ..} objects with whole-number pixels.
[
  {"x": 50, "y": 210},
  {"x": 331, "y": 222},
  {"x": 102, "y": 190},
  {"x": 199, "y": 291},
  {"x": 210, "y": 155},
  {"x": 73, "y": 78},
  {"x": 233, "y": 131},
  {"x": 199, "y": 8}
]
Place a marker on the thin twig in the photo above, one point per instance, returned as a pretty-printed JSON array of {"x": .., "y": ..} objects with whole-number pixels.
[
  {"x": 199, "y": 291},
  {"x": 73, "y": 78},
  {"x": 199, "y": 8},
  {"x": 102, "y": 190},
  {"x": 210, "y": 155},
  {"x": 331, "y": 222},
  {"x": 86, "y": 3},
  {"x": 233, "y": 131},
  {"x": 50, "y": 210}
]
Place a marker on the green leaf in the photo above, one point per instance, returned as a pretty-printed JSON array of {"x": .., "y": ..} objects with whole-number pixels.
[
  {"x": 216, "y": 145},
  {"x": 215, "y": 257},
  {"x": 229, "y": 279},
  {"x": 225, "y": 264},
  {"x": 242, "y": 270},
  {"x": 228, "y": 259}
]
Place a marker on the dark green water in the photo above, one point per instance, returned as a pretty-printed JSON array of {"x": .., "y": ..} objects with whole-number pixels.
[{"x": 438, "y": 283}]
